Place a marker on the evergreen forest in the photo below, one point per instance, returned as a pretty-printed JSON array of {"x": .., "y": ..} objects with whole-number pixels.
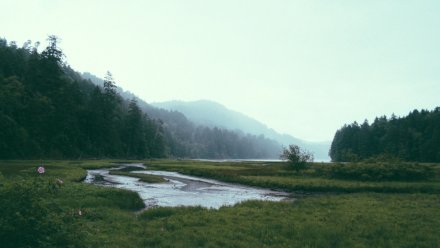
[
  {"x": 48, "y": 110},
  {"x": 415, "y": 137}
]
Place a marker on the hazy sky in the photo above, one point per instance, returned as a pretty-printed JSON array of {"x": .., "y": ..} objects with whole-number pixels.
[{"x": 301, "y": 67}]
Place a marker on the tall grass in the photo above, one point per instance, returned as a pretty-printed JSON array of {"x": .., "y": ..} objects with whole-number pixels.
[
  {"x": 36, "y": 211},
  {"x": 356, "y": 220},
  {"x": 320, "y": 177}
]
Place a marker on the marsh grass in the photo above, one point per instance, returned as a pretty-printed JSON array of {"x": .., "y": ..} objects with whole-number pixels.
[
  {"x": 54, "y": 168},
  {"x": 355, "y": 220},
  {"x": 142, "y": 177},
  {"x": 110, "y": 218},
  {"x": 318, "y": 178}
]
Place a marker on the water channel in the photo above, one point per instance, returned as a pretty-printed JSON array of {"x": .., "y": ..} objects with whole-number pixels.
[{"x": 182, "y": 190}]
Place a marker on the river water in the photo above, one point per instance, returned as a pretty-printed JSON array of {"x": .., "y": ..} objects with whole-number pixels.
[{"x": 182, "y": 190}]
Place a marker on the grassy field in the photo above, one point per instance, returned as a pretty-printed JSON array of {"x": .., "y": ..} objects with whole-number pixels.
[
  {"x": 142, "y": 177},
  {"x": 39, "y": 211},
  {"x": 277, "y": 175}
]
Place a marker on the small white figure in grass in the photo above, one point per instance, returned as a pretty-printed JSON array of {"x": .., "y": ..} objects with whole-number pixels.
[
  {"x": 41, "y": 170},
  {"x": 79, "y": 212},
  {"x": 59, "y": 181}
]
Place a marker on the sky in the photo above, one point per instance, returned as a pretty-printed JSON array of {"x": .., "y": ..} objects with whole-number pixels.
[{"x": 303, "y": 68}]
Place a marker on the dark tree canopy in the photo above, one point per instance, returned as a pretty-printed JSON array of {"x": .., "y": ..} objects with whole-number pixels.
[
  {"x": 415, "y": 137},
  {"x": 184, "y": 139},
  {"x": 47, "y": 110}
]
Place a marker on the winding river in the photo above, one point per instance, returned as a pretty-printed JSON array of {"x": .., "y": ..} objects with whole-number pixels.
[{"x": 182, "y": 190}]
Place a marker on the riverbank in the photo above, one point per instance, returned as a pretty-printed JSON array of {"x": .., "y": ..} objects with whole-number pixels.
[
  {"x": 316, "y": 179},
  {"x": 85, "y": 215},
  {"x": 172, "y": 189}
]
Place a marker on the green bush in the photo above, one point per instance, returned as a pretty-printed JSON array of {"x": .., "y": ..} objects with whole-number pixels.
[
  {"x": 30, "y": 218},
  {"x": 297, "y": 158}
]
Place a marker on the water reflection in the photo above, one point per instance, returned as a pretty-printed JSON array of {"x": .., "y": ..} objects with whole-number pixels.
[{"x": 182, "y": 190}]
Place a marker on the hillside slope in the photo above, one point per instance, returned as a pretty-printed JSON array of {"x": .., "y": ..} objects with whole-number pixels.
[
  {"x": 48, "y": 111},
  {"x": 210, "y": 113},
  {"x": 187, "y": 138}
]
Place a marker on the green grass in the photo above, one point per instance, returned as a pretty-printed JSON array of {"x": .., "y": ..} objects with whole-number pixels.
[
  {"x": 38, "y": 212},
  {"x": 142, "y": 177},
  {"x": 357, "y": 220},
  {"x": 60, "y": 169},
  {"x": 279, "y": 176}
]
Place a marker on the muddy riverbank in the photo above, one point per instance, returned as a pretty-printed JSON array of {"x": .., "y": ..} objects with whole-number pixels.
[{"x": 182, "y": 190}]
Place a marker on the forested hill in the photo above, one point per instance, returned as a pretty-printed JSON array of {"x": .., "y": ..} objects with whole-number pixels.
[
  {"x": 47, "y": 110},
  {"x": 415, "y": 137},
  {"x": 209, "y": 113},
  {"x": 185, "y": 138}
]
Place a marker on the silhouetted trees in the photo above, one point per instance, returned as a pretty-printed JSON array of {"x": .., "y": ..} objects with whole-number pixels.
[
  {"x": 184, "y": 139},
  {"x": 48, "y": 110},
  {"x": 415, "y": 137}
]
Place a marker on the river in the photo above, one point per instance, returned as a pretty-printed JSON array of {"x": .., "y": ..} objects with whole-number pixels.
[{"x": 182, "y": 190}]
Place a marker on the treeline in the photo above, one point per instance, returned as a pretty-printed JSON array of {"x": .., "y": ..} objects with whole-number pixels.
[
  {"x": 47, "y": 110},
  {"x": 184, "y": 139},
  {"x": 218, "y": 143},
  {"x": 415, "y": 137}
]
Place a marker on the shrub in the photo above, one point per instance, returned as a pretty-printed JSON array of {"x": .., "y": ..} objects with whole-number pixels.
[
  {"x": 296, "y": 157},
  {"x": 28, "y": 217}
]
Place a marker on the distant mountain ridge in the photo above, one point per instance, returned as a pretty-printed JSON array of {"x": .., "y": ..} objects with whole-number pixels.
[
  {"x": 209, "y": 113},
  {"x": 213, "y": 114},
  {"x": 186, "y": 138}
]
